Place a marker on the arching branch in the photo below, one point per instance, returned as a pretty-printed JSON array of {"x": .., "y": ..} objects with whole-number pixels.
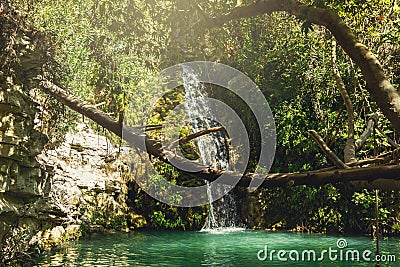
[{"x": 382, "y": 91}]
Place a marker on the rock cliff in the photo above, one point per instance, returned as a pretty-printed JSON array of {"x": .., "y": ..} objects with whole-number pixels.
[{"x": 47, "y": 195}]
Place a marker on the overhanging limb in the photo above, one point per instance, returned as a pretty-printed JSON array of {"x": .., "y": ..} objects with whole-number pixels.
[{"x": 154, "y": 148}]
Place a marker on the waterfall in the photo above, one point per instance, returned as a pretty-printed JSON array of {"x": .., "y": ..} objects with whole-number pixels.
[{"x": 212, "y": 148}]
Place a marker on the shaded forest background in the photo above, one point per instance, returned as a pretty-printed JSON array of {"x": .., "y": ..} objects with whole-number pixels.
[{"x": 104, "y": 51}]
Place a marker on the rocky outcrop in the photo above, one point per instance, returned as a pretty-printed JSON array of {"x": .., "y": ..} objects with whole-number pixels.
[
  {"x": 86, "y": 170},
  {"x": 47, "y": 196},
  {"x": 87, "y": 193},
  {"x": 84, "y": 193},
  {"x": 23, "y": 181},
  {"x": 19, "y": 144}
]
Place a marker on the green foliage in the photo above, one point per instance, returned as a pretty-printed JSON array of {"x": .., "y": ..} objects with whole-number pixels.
[
  {"x": 104, "y": 50},
  {"x": 108, "y": 220},
  {"x": 388, "y": 207},
  {"x": 304, "y": 208},
  {"x": 158, "y": 220},
  {"x": 338, "y": 209},
  {"x": 162, "y": 216}
]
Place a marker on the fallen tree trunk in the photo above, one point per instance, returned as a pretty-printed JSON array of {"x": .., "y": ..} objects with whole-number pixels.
[
  {"x": 154, "y": 148},
  {"x": 313, "y": 178},
  {"x": 82, "y": 107}
]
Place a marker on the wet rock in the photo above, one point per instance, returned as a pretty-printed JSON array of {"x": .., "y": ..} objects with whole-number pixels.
[{"x": 57, "y": 233}]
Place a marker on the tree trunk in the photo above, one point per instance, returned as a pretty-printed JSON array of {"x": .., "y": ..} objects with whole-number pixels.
[{"x": 316, "y": 178}]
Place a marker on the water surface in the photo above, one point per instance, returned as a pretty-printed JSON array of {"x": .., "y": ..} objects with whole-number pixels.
[{"x": 215, "y": 248}]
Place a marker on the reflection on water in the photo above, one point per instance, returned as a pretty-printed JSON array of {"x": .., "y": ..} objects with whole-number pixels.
[
  {"x": 235, "y": 248},
  {"x": 223, "y": 230}
]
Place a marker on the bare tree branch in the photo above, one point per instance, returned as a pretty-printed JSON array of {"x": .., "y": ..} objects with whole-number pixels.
[
  {"x": 349, "y": 149},
  {"x": 390, "y": 140},
  {"x": 372, "y": 121},
  {"x": 194, "y": 135},
  {"x": 327, "y": 151}
]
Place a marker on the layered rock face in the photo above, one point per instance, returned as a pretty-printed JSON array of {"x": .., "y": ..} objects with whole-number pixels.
[
  {"x": 21, "y": 176},
  {"x": 46, "y": 195},
  {"x": 59, "y": 194},
  {"x": 87, "y": 192},
  {"x": 23, "y": 182},
  {"x": 86, "y": 178}
]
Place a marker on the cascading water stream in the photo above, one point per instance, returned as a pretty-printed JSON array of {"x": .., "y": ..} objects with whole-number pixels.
[{"x": 212, "y": 148}]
